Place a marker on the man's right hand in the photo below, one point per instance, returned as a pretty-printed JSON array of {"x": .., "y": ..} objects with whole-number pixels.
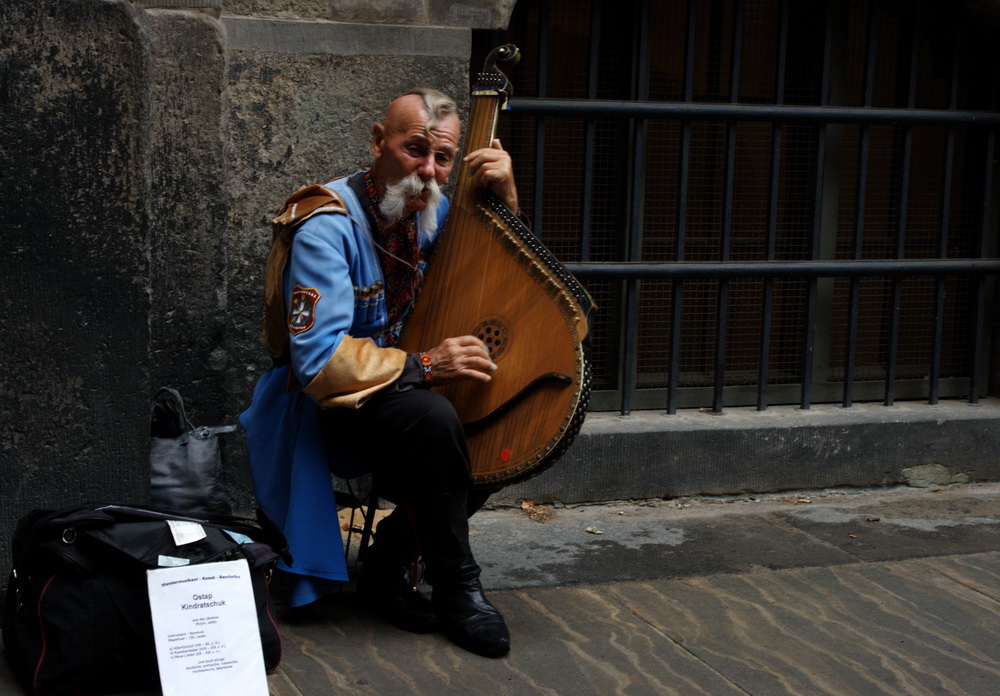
[{"x": 463, "y": 357}]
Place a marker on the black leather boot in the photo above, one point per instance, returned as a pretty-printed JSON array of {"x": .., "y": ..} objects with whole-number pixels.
[
  {"x": 464, "y": 614},
  {"x": 387, "y": 583}
]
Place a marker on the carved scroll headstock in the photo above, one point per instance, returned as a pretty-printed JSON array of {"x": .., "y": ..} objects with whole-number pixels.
[
  {"x": 489, "y": 96},
  {"x": 492, "y": 81}
]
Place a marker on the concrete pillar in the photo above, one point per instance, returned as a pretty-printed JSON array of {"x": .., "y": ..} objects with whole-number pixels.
[
  {"x": 74, "y": 226},
  {"x": 188, "y": 200}
]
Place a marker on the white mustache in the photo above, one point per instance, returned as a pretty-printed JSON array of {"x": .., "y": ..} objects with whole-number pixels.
[{"x": 396, "y": 196}]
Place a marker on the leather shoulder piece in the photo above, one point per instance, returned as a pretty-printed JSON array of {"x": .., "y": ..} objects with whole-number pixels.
[
  {"x": 300, "y": 206},
  {"x": 304, "y": 203}
]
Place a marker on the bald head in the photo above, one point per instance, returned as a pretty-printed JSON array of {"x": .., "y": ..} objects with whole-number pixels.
[
  {"x": 434, "y": 108},
  {"x": 437, "y": 104}
]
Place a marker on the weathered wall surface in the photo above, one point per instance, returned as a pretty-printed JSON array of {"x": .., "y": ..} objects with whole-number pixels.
[
  {"x": 144, "y": 148},
  {"x": 472, "y": 14},
  {"x": 188, "y": 204},
  {"x": 74, "y": 224}
]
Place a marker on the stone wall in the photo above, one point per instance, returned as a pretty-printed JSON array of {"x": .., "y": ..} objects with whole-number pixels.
[
  {"x": 144, "y": 148},
  {"x": 472, "y": 14},
  {"x": 74, "y": 265}
]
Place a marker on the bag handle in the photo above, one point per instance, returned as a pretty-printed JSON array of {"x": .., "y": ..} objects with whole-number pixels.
[
  {"x": 170, "y": 401},
  {"x": 263, "y": 527},
  {"x": 39, "y": 522}
]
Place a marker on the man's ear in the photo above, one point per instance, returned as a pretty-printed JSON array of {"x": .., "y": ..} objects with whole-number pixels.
[{"x": 378, "y": 140}]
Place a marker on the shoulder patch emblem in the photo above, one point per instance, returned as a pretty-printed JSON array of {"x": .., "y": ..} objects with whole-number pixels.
[{"x": 302, "y": 313}]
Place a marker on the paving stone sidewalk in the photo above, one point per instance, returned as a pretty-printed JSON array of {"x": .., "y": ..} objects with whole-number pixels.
[
  {"x": 882, "y": 591},
  {"x": 887, "y": 591}
]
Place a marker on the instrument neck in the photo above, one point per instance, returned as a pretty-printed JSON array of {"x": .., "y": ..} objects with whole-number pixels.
[{"x": 480, "y": 132}]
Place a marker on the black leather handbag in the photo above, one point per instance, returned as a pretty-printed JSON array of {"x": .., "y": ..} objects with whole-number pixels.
[
  {"x": 185, "y": 462},
  {"x": 76, "y": 618}
]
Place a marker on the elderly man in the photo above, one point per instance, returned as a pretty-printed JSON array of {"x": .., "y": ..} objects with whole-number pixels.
[{"x": 344, "y": 269}]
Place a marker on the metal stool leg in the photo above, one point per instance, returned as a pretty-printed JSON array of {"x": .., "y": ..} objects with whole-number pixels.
[
  {"x": 366, "y": 531},
  {"x": 350, "y": 499}
]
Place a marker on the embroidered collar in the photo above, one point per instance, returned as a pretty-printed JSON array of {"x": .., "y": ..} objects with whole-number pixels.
[{"x": 399, "y": 254}]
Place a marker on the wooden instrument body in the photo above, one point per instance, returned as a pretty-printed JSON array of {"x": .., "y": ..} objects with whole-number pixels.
[{"x": 490, "y": 277}]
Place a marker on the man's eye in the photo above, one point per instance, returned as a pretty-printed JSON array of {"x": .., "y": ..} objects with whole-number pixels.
[{"x": 444, "y": 158}]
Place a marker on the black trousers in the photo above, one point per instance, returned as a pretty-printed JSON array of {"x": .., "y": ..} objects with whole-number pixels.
[{"x": 412, "y": 440}]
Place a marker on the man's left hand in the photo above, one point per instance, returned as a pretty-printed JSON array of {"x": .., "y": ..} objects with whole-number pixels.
[{"x": 491, "y": 167}]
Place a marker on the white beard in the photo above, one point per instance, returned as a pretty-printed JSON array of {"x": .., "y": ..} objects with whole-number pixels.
[{"x": 396, "y": 195}]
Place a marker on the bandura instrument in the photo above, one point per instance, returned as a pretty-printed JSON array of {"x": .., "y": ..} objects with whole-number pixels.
[{"x": 490, "y": 277}]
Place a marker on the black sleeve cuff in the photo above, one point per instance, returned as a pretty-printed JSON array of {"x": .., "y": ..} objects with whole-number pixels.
[{"x": 414, "y": 376}]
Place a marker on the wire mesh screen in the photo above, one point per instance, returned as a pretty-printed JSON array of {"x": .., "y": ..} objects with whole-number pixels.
[{"x": 613, "y": 189}]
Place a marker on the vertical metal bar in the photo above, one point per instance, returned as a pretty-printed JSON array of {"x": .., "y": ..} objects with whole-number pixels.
[
  {"x": 892, "y": 354},
  {"x": 978, "y": 340},
  {"x": 727, "y": 213},
  {"x": 588, "y": 156},
  {"x": 939, "y": 281},
  {"x": 772, "y": 216},
  {"x": 980, "y": 326},
  {"x": 637, "y": 182},
  {"x": 629, "y": 346},
  {"x": 859, "y": 217},
  {"x": 543, "y": 76},
  {"x": 808, "y": 362},
  {"x": 839, "y": 14},
  {"x": 677, "y": 296}
]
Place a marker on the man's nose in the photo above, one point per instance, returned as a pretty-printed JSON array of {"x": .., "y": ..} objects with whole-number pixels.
[{"x": 426, "y": 168}]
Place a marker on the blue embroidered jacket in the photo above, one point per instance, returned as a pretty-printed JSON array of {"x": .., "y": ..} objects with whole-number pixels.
[{"x": 335, "y": 314}]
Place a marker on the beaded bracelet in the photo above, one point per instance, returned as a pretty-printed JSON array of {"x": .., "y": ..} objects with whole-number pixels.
[{"x": 426, "y": 367}]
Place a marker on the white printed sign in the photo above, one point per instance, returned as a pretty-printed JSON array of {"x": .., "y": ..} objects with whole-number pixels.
[{"x": 205, "y": 627}]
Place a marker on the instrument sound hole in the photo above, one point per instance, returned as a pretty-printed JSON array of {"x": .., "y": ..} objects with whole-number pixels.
[{"x": 494, "y": 332}]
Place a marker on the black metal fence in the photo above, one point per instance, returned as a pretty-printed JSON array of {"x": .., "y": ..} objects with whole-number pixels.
[{"x": 825, "y": 233}]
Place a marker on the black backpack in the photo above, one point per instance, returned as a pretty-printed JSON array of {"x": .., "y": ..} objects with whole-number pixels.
[{"x": 76, "y": 618}]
